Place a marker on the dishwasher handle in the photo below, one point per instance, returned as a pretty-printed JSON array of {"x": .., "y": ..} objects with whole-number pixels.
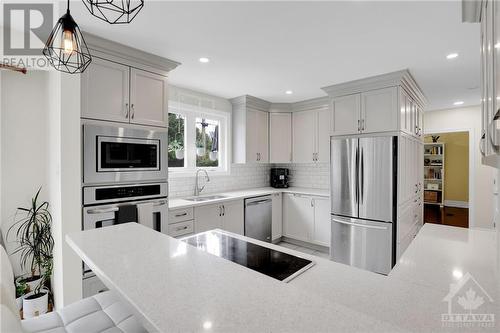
[{"x": 259, "y": 202}]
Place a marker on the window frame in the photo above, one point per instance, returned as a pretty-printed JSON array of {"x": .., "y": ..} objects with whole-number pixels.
[{"x": 190, "y": 113}]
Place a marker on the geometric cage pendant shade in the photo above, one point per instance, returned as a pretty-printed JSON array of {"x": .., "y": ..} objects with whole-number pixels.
[
  {"x": 65, "y": 48},
  {"x": 114, "y": 11}
]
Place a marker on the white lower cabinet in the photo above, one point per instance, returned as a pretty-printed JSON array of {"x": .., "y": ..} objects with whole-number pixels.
[
  {"x": 306, "y": 218},
  {"x": 322, "y": 224},
  {"x": 233, "y": 217},
  {"x": 227, "y": 216},
  {"x": 298, "y": 216},
  {"x": 277, "y": 216}
]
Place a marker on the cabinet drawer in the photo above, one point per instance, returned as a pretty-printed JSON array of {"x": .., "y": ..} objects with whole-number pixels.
[
  {"x": 179, "y": 215},
  {"x": 181, "y": 228}
]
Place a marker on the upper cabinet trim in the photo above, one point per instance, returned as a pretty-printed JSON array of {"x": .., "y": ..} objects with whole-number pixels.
[
  {"x": 399, "y": 78},
  {"x": 251, "y": 102},
  {"x": 110, "y": 50}
]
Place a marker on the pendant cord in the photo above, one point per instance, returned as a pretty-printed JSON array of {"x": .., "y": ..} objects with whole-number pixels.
[{"x": 67, "y": 8}]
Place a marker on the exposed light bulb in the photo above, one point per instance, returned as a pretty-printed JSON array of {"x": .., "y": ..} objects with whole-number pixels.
[{"x": 68, "y": 45}]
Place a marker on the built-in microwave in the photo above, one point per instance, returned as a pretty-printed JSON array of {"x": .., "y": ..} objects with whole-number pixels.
[{"x": 115, "y": 154}]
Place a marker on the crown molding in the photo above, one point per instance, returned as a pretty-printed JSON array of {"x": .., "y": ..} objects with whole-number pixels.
[
  {"x": 110, "y": 50},
  {"x": 251, "y": 102},
  {"x": 398, "y": 78},
  {"x": 310, "y": 104}
]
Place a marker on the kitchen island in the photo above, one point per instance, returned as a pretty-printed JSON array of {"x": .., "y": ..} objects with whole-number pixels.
[{"x": 173, "y": 286}]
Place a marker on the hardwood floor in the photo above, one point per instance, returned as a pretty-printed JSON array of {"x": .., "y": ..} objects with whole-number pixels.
[{"x": 456, "y": 217}]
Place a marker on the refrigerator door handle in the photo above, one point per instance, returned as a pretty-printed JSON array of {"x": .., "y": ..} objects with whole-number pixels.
[
  {"x": 360, "y": 225},
  {"x": 356, "y": 182},
  {"x": 362, "y": 188}
]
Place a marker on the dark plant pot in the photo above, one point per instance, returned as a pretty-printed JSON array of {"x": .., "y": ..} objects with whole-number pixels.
[{"x": 32, "y": 281}]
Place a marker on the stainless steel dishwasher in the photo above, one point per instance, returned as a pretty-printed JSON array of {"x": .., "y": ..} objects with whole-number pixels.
[{"x": 258, "y": 218}]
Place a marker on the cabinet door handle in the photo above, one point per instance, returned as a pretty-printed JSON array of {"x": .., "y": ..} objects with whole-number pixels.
[
  {"x": 312, "y": 202},
  {"x": 180, "y": 215},
  {"x": 359, "y": 125},
  {"x": 223, "y": 210},
  {"x": 133, "y": 110},
  {"x": 220, "y": 210},
  {"x": 127, "y": 110},
  {"x": 362, "y": 124}
]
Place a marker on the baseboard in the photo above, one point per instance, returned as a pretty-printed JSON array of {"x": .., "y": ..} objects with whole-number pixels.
[
  {"x": 457, "y": 204},
  {"x": 311, "y": 246}
]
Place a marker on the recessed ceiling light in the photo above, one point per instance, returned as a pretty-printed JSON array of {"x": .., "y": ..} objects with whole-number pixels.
[
  {"x": 204, "y": 60},
  {"x": 452, "y": 56},
  {"x": 288, "y": 92},
  {"x": 458, "y": 103}
]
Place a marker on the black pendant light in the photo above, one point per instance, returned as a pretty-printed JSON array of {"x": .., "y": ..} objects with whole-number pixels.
[
  {"x": 65, "y": 48},
  {"x": 114, "y": 11}
]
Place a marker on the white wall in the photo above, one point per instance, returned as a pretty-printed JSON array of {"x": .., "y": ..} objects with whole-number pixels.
[
  {"x": 40, "y": 146},
  {"x": 24, "y": 133},
  {"x": 469, "y": 118}
]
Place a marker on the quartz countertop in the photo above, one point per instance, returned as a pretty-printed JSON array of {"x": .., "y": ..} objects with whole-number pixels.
[
  {"x": 175, "y": 287},
  {"x": 178, "y": 203}
]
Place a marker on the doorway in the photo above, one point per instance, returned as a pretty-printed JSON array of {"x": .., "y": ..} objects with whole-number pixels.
[{"x": 446, "y": 178}]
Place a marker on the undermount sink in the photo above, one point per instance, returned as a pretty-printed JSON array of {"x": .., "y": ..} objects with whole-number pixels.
[{"x": 206, "y": 198}]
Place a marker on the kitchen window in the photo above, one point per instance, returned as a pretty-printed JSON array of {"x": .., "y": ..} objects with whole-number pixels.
[{"x": 197, "y": 139}]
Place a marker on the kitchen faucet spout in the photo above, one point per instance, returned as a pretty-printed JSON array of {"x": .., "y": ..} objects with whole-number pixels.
[{"x": 197, "y": 189}]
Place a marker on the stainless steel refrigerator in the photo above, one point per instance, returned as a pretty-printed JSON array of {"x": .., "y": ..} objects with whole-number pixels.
[{"x": 363, "y": 180}]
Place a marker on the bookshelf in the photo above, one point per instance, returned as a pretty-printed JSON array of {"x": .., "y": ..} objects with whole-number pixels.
[{"x": 434, "y": 163}]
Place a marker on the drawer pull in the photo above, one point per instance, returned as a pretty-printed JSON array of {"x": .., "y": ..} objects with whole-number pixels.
[
  {"x": 179, "y": 215},
  {"x": 181, "y": 228}
]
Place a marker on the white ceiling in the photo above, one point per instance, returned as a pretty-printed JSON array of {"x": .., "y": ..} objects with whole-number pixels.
[{"x": 265, "y": 48}]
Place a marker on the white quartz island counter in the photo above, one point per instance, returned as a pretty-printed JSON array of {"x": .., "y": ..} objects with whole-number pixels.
[{"x": 175, "y": 287}]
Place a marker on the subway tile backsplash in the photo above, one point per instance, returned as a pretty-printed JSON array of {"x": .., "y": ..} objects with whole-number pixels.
[
  {"x": 313, "y": 175},
  {"x": 244, "y": 176}
]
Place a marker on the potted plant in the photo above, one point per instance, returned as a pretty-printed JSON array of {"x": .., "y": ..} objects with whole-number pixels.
[
  {"x": 176, "y": 147},
  {"x": 213, "y": 155},
  {"x": 200, "y": 149},
  {"x": 22, "y": 289},
  {"x": 34, "y": 236}
]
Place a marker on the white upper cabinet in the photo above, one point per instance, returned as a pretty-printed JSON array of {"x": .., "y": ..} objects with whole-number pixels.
[
  {"x": 250, "y": 130},
  {"x": 346, "y": 113},
  {"x": 262, "y": 136},
  {"x": 257, "y": 136},
  {"x": 311, "y": 136},
  {"x": 323, "y": 127},
  {"x": 280, "y": 139},
  {"x": 379, "y": 110},
  {"x": 116, "y": 92},
  {"x": 304, "y": 124},
  {"x": 377, "y": 104},
  {"x": 148, "y": 98},
  {"x": 105, "y": 91}
]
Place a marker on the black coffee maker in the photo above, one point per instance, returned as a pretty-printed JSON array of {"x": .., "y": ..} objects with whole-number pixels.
[{"x": 279, "y": 177}]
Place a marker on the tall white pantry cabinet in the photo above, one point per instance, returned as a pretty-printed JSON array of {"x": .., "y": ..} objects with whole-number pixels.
[{"x": 393, "y": 104}]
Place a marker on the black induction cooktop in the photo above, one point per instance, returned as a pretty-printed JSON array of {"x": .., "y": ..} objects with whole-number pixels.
[{"x": 279, "y": 265}]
